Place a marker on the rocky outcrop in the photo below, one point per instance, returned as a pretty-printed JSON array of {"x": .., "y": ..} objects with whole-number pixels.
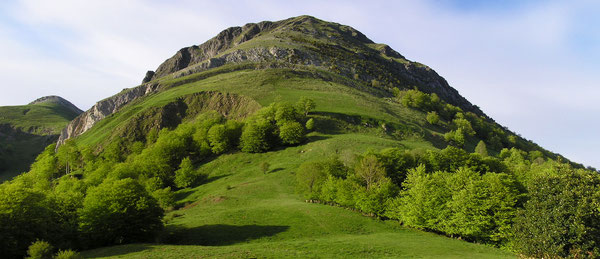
[
  {"x": 103, "y": 108},
  {"x": 58, "y": 100},
  {"x": 308, "y": 41}
]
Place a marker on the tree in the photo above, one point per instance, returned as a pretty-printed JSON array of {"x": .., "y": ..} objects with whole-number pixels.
[
  {"x": 119, "y": 211},
  {"x": 433, "y": 118},
  {"x": 310, "y": 124},
  {"x": 40, "y": 250},
  {"x": 481, "y": 149},
  {"x": 305, "y": 105},
  {"x": 291, "y": 133},
  {"x": 310, "y": 177},
  {"x": 256, "y": 136},
  {"x": 24, "y": 216},
  {"x": 218, "y": 138},
  {"x": 369, "y": 171},
  {"x": 561, "y": 217},
  {"x": 185, "y": 176},
  {"x": 424, "y": 200}
]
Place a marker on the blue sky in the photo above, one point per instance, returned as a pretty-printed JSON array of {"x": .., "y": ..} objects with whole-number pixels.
[{"x": 533, "y": 66}]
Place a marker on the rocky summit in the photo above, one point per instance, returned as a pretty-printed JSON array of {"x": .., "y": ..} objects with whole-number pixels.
[{"x": 295, "y": 43}]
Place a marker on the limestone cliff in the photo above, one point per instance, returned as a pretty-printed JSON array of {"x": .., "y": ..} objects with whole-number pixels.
[{"x": 103, "y": 108}]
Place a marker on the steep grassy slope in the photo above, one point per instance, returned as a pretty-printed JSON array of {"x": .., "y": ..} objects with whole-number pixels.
[
  {"x": 25, "y": 130},
  {"x": 244, "y": 213}
]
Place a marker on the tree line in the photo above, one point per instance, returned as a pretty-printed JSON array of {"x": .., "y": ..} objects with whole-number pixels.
[
  {"x": 75, "y": 198},
  {"x": 518, "y": 200}
]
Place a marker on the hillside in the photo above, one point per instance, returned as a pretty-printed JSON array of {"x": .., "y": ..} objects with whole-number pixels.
[
  {"x": 26, "y": 129},
  {"x": 297, "y": 138}
]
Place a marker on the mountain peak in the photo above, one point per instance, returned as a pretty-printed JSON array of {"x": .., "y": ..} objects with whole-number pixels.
[
  {"x": 306, "y": 41},
  {"x": 57, "y": 100}
]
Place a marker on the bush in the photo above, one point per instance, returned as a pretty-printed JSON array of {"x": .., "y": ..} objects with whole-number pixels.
[
  {"x": 40, "y": 250},
  {"x": 481, "y": 149},
  {"x": 310, "y": 177},
  {"x": 218, "y": 138},
  {"x": 67, "y": 254},
  {"x": 310, "y": 124},
  {"x": 257, "y": 136},
  {"x": 291, "y": 133},
  {"x": 185, "y": 176},
  {"x": 24, "y": 216},
  {"x": 119, "y": 211},
  {"x": 433, "y": 118},
  {"x": 305, "y": 105},
  {"x": 561, "y": 218}
]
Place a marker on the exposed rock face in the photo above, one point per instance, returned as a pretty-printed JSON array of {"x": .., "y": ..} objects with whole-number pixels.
[
  {"x": 313, "y": 50},
  {"x": 295, "y": 42},
  {"x": 148, "y": 77},
  {"x": 59, "y": 100},
  {"x": 101, "y": 109}
]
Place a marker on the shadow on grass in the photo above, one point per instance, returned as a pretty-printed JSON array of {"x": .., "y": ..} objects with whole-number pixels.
[
  {"x": 219, "y": 234},
  {"x": 275, "y": 170},
  {"x": 116, "y": 250}
]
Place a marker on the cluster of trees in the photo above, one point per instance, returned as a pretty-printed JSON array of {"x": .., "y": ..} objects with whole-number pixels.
[
  {"x": 75, "y": 198},
  {"x": 464, "y": 127},
  {"x": 518, "y": 200}
]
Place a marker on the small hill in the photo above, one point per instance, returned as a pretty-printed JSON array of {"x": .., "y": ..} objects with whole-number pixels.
[{"x": 26, "y": 129}]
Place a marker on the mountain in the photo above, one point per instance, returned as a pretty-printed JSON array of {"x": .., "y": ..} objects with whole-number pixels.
[
  {"x": 297, "y": 44},
  {"x": 298, "y": 138},
  {"x": 26, "y": 129}
]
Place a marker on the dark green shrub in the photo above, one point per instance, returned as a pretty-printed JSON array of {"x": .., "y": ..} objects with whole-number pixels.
[
  {"x": 40, "y": 250},
  {"x": 119, "y": 211}
]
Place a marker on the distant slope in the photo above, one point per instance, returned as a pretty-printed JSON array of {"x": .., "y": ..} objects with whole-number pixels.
[{"x": 26, "y": 129}]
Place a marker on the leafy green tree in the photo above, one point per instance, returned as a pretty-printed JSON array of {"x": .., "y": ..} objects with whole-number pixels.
[
  {"x": 218, "y": 138},
  {"x": 561, "y": 217},
  {"x": 374, "y": 201},
  {"x": 433, "y": 118},
  {"x": 285, "y": 112},
  {"x": 310, "y": 176},
  {"x": 481, "y": 149},
  {"x": 461, "y": 123},
  {"x": 482, "y": 207},
  {"x": 310, "y": 124},
  {"x": 369, "y": 171},
  {"x": 40, "y": 250},
  {"x": 257, "y": 136},
  {"x": 291, "y": 133},
  {"x": 24, "y": 217},
  {"x": 305, "y": 105},
  {"x": 424, "y": 202},
  {"x": 165, "y": 198},
  {"x": 185, "y": 176},
  {"x": 456, "y": 137},
  {"x": 119, "y": 211},
  {"x": 396, "y": 162}
]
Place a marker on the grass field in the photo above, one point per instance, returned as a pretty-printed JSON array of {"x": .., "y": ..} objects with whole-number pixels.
[{"x": 242, "y": 212}]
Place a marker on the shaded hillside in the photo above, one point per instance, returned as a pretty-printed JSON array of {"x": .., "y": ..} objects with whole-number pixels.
[{"x": 25, "y": 130}]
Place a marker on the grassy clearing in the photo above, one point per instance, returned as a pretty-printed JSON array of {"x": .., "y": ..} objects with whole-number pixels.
[{"x": 242, "y": 212}]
